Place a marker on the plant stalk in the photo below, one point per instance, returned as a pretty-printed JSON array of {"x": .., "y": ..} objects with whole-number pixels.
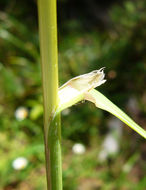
[{"x": 49, "y": 63}]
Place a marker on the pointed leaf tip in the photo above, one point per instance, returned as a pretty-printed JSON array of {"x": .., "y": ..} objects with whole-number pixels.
[{"x": 104, "y": 103}]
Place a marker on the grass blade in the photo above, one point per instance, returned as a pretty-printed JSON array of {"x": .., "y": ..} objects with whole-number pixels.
[{"x": 104, "y": 103}]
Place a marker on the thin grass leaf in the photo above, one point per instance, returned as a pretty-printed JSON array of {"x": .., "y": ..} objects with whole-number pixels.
[
  {"x": 104, "y": 103},
  {"x": 82, "y": 88}
]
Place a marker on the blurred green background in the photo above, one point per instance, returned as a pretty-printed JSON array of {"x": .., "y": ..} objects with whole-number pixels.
[{"x": 99, "y": 151}]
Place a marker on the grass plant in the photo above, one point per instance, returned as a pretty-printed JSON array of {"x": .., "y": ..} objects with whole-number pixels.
[
  {"x": 75, "y": 90},
  {"x": 49, "y": 63}
]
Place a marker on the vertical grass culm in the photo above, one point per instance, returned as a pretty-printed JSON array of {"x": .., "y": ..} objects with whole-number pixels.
[{"x": 49, "y": 63}]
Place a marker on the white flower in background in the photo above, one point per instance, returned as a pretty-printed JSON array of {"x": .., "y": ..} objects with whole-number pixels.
[
  {"x": 21, "y": 113},
  {"x": 110, "y": 146},
  {"x": 20, "y": 163},
  {"x": 78, "y": 148},
  {"x": 111, "y": 142}
]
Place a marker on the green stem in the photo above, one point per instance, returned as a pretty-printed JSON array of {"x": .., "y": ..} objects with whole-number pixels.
[{"x": 49, "y": 63}]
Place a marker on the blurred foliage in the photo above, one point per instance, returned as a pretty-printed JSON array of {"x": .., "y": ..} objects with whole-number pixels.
[{"x": 116, "y": 42}]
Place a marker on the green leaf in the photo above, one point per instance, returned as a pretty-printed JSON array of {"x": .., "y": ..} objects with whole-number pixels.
[
  {"x": 82, "y": 88},
  {"x": 103, "y": 103}
]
